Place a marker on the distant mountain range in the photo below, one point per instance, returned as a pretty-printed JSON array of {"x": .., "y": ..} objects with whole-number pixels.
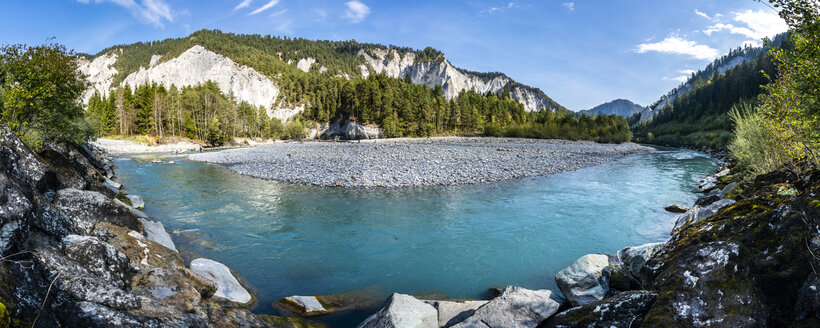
[{"x": 620, "y": 107}]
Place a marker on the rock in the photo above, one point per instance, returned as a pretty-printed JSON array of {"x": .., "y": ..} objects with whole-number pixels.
[
  {"x": 515, "y": 308},
  {"x": 707, "y": 199},
  {"x": 350, "y": 131},
  {"x": 70, "y": 277},
  {"x": 619, "y": 279},
  {"x": 676, "y": 208},
  {"x": 177, "y": 287},
  {"x": 306, "y": 306},
  {"x": 89, "y": 314},
  {"x": 227, "y": 286},
  {"x": 140, "y": 250},
  {"x": 156, "y": 231},
  {"x": 403, "y": 311},
  {"x": 49, "y": 220},
  {"x": 586, "y": 280},
  {"x": 86, "y": 208},
  {"x": 113, "y": 184},
  {"x": 99, "y": 258},
  {"x": 68, "y": 175},
  {"x": 722, "y": 173},
  {"x": 136, "y": 201},
  {"x": 621, "y": 311},
  {"x": 725, "y": 191},
  {"x": 453, "y": 312},
  {"x": 634, "y": 258},
  {"x": 359, "y": 299},
  {"x": 697, "y": 213},
  {"x": 707, "y": 183},
  {"x": 15, "y": 209}
]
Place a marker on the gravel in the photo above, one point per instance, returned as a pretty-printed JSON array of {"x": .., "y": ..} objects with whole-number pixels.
[{"x": 415, "y": 162}]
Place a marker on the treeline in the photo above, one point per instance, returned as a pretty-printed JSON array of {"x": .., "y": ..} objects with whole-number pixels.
[
  {"x": 548, "y": 125},
  {"x": 200, "y": 112},
  {"x": 700, "y": 118}
]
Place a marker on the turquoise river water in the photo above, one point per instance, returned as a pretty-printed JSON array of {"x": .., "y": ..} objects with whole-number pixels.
[{"x": 289, "y": 239}]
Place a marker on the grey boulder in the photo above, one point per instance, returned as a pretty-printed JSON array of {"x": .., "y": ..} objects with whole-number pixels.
[
  {"x": 515, "y": 308},
  {"x": 403, "y": 311},
  {"x": 635, "y": 257},
  {"x": 227, "y": 287},
  {"x": 697, "y": 213},
  {"x": 86, "y": 208},
  {"x": 586, "y": 280},
  {"x": 621, "y": 311},
  {"x": 453, "y": 312}
]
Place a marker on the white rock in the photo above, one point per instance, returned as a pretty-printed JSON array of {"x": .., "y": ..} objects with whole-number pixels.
[
  {"x": 515, "y": 308},
  {"x": 99, "y": 73},
  {"x": 156, "y": 231},
  {"x": 227, "y": 286},
  {"x": 305, "y": 63},
  {"x": 586, "y": 280},
  {"x": 451, "y": 313},
  {"x": 403, "y": 311},
  {"x": 198, "y": 65},
  {"x": 697, "y": 213},
  {"x": 136, "y": 201},
  {"x": 310, "y": 304}
]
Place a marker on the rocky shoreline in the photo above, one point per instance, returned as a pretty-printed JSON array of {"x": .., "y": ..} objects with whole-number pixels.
[{"x": 415, "y": 162}]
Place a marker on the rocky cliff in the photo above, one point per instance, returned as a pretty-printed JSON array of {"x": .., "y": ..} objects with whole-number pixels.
[
  {"x": 452, "y": 80},
  {"x": 76, "y": 253}
]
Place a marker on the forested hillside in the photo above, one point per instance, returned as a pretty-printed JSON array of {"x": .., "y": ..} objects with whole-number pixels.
[
  {"x": 331, "y": 91},
  {"x": 699, "y": 117},
  {"x": 620, "y": 107}
]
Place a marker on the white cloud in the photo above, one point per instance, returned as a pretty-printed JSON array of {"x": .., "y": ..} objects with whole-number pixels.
[
  {"x": 687, "y": 71},
  {"x": 242, "y": 4},
  {"x": 685, "y": 75},
  {"x": 265, "y": 7},
  {"x": 758, "y": 24},
  {"x": 153, "y": 11},
  {"x": 569, "y": 5},
  {"x": 279, "y": 13},
  {"x": 678, "y": 45},
  {"x": 356, "y": 11},
  {"x": 702, "y": 14},
  {"x": 509, "y": 5}
]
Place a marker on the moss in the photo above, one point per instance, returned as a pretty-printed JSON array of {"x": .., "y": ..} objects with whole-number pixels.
[
  {"x": 289, "y": 322},
  {"x": 5, "y": 319},
  {"x": 122, "y": 197},
  {"x": 815, "y": 203}
]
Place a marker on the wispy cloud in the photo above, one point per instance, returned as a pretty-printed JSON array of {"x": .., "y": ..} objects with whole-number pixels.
[
  {"x": 493, "y": 10},
  {"x": 677, "y": 45},
  {"x": 155, "y": 12},
  {"x": 242, "y": 4},
  {"x": 279, "y": 13},
  {"x": 267, "y": 6},
  {"x": 702, "y": 14},
  {"x": 569, "y": 5},
  {"x": 356, "y": 11},
  {"x": 685, "y": 75},
  {"x": 758, "y": 24}
]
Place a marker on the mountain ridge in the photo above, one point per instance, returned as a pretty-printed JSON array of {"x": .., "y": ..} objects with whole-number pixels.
[{"x": 620, "y": 107}]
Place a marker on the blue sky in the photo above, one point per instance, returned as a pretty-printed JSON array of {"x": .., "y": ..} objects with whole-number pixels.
[{"x": 581, "y": 53}]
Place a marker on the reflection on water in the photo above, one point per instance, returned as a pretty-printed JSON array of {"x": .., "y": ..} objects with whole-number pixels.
[{"x": 289, "y": 239}]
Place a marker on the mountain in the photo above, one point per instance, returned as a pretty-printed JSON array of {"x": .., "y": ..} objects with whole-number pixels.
[
  {"x": 620, "y": 107},
  {"x": 267, "y": 71}
]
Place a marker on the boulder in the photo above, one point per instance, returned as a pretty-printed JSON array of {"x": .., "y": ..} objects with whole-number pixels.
[
  {"x": 227, "y": 286},
  {"x": 15, "y": 209},
  {"x": 676, "y": 208},
  {"x": 586, "y": 280},
  {"x": 515, "y": 308},
  {"x": 177, "y": 287},
  {"x": 306, "y": 306},
  {"x": 140, "y": 250},
  {"x": 99, "y": 258},
  {"x": 70, "y": 277},
  {"x": 698, "y": 213},
  {"x": 49, "y": 220},
  {"x": 86, "y": 208},
  {"x": 88, "y": 314},
  {"x": 23, "y": 165},
  {"x": 155, "y": 231},
  {"x": 621, "y": 311},
  {"x": 707, "y": 183},
  {"x": 619, "y": 279},
  {"x": 403, "y": 311},
  {"x": 359, "y": 299},
  {"x": 635, "y": 257},
  {"x": 453, "y": 312},
  {"x": 136, "y": 201}
]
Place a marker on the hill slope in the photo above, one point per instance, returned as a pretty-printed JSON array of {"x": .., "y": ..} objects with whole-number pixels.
[{"x": 620, "y": 107}]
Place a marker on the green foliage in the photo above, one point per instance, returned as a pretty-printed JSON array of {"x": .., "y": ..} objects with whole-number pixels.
[
  {"x": 294, "y": 130},
  {"x": 544, "y": 125},
  {"x": 755, "y": 147},
  {"x": 39, "y": 91},
  {"x": 214, "y": 136}
]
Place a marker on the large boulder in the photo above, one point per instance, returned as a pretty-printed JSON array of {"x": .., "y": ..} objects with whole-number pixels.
[
  {"x": 142, "y": 252},
  {"x": 227, "y": 286},
  {"x": 16, "y": 210},
  {"x": 100, "y": 258},
  {"x": 453, "y": 312},
  {"x": 586, "y": 280},
  {"x": 697, "y": 213},
  {"x": 635, "y": 257},
  {"x": 154, "y": 230},
  {"x": 403, "y": 311},
  {"x": 621, "y": 311},
  {"x": 86, "y": 208},
  {"x": 23, "y": 165},
  {"x": 515, "y": 308},
  {"x": 177, "y": 287}
]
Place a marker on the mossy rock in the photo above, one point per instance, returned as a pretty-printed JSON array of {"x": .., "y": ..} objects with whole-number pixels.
[
  {"x": 288, "y": 322},
  {"x": 123, "y": 198}
]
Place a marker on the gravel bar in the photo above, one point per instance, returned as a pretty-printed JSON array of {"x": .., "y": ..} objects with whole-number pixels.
[{"x": 415, "y": 162}]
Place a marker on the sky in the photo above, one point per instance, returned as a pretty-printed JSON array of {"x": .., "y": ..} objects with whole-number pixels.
[{"x": 580, "y": 53}]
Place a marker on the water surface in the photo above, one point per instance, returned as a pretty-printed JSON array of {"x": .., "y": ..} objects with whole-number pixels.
[{"x": 305, "y": 240}]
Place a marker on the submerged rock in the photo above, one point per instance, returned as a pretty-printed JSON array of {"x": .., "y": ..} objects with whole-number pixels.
[
  {"x": 515, "y": 308},
  {"x": 586, "y": 280},
  {"x": 306, "y": 306},
  {"x": 227, "y": 286},
  {"x": 402, "y": 311},
  {"x": 621, "y": 311},
  {"x": 359, "y": 299},
  {"x": 676, "y": 208}
]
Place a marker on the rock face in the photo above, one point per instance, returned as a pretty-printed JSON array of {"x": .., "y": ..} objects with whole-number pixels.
[
  {"x": 515, "y": 308},
  {"x": 452, "y": 80},
  {"x": 305, "y": 63},
  {"x": 622, "y": 311},
  {"x": 403, "y": 311},
  {"x": 634, "y": 258},
  {"x": 86, "y": 208},
  {"x": 198, "y": 65},
  {"x": 351, "y": 131},
  {"x": 586, "y": 280},
  {"x": 697, "y": 213},
  {"x": 227, "y": 286},
  {"x": 100, "y": 73}
]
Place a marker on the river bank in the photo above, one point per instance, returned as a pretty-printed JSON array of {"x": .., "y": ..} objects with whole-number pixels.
[
  {"x": 171, "y": 145},
  {"x": 416, "y": 162}
]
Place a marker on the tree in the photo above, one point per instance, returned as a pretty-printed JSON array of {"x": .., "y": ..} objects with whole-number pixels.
[
  {"x": 39, "y": 91},
  {"x": 214, "y": 136}
]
